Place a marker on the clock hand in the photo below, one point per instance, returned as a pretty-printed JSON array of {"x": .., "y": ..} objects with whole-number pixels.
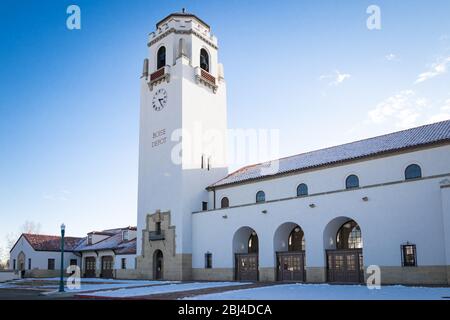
[{"x": 160, "y": 102}]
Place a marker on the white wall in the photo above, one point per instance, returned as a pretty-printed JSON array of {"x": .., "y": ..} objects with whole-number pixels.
[
  {"x": 130, "y": 261},
  {"x": 432, "y": 161},
  {"x": 396, "y": 213}
]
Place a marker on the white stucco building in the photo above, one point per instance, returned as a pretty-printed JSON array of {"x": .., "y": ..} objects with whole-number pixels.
[
  {"x": 107, "y": 254},
  {"x": 322, "y": 216},
  {"x": 36, "y": 255}
]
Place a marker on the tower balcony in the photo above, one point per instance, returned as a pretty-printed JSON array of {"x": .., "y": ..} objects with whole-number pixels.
[
  {"x": 156, "y": 235},
  {"x": 202, "y": 76},
  {"x": 160, "y": 75}
]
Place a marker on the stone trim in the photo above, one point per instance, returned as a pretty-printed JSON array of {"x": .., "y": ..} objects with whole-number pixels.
[
  {"x": 183, "y": 32},
  {"x": 331, "y": 192},
  {"x": 213, "y": 274},
  {"x": 423, "y": 275},
  {"x": 176, "y": 266}
]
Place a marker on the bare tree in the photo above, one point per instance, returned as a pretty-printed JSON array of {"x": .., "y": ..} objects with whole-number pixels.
[
  {"x": 31, "y": 227},
  {"x": 27, "y": 227},
  {"x": 2, "y": 259}
]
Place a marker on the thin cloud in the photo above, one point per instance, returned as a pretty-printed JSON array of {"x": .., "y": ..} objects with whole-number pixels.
[
  {"x": 391, "y": 57},
  {"x": 438, "y": 68},
  {"x": 337, "y": 78},
  {"x": 404, "y": 109},
  {"x": 57, "y": 196}
]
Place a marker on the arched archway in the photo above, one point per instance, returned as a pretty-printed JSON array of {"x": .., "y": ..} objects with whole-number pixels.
[
  {"x": 158, "y": 265},
  {"x": 289, "y": 245},
  {"x": 343, "y": 244},
  {"x": 21, "y": 263},
  {"x": 245, "y": 250}
]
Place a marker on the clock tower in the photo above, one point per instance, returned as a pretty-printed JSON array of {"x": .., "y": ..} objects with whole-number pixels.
[{"x": 182, "y": 142}]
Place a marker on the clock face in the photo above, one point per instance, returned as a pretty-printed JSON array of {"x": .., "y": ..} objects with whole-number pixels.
[{"x": 159, "y": 100}]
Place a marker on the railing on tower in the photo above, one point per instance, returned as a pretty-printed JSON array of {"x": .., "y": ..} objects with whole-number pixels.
[
  {"x": 156, "y": 235},
  {"x": 157, "y": 74},
  {"x": 203, "y": 76}
]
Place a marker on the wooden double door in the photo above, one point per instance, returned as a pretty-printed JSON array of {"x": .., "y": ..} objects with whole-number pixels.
[
  {"x": 89, "y": 267},
  {"x": 291, "y": 266},
  {"x": 246, "y": 267},
  {"x": 345, "y": 266},
  {"x": 107, "y": 267}
]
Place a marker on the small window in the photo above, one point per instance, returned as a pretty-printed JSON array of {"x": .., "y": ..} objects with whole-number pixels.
[
  {"x": 224, "y": 203},
  {"x": 413, "y": 171},
  {"x": 14, "y": 264},
  {"x": 73, "y": 262},
  {"x": 124, "y": 263},
  {"x": 204, "y": 206},
  {"x": 204, "y": 60},
  {"x": 260, "y": 197},
  {"x": 208, "y": 260},
  {"x": 51, "y": 264},
  {"x": 302, "y": 190},
  {"x": 29, "y": 264},
  {"x": 352, "y": 181},
  {"x": 409, "y": 257},
  {"x": 161, "y": 56}
]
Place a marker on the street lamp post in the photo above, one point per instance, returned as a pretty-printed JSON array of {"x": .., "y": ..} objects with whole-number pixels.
[{"x": 61, "y": 279}]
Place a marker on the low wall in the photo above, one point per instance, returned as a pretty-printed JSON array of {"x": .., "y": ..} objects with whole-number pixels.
[{"x": 131, "y": 274}]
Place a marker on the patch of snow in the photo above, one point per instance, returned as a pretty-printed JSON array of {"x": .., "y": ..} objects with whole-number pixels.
[
  {"x": 145, "y": 291},
  {"x": 93, "y": 280},
  {"x": 328, "y": 292},
  {"x": 108, "y": 286}
]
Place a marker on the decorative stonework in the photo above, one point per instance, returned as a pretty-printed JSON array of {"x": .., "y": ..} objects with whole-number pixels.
[{"x": 175, "y": 266}]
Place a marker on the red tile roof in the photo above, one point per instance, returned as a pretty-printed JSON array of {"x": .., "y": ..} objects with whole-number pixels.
[{"x": 41, "y": 242}]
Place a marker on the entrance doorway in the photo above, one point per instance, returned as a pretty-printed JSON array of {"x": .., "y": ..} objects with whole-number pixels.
[
  {"x": 290, "y": 240},
  {"x": 89, "y": 269},
  {"x": 246, "y": 260},
  {"x": 158, "y": 265},
  {"x": 107, "y": 267},
  {"x": 345, "y": 262}
]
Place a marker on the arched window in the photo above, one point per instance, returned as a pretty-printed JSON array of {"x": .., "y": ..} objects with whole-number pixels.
[
  {"x": 413, "y": 171},
  {"x": 296, "y": 240},
  {"x": 161, "y": 56},
  {"x": 302, "y": 190},
  {"x": 352, "y": 181},
  {"x": 204, "y": 60},
  {"x": 253, "y": 243},
  {"x": 260, "y": 197},
  {"x": 349, "y": 236},
  {"x": 224, "y": 203}
]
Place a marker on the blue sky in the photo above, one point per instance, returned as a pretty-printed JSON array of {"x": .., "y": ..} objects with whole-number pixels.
[{"x": 69, "y": 99}]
